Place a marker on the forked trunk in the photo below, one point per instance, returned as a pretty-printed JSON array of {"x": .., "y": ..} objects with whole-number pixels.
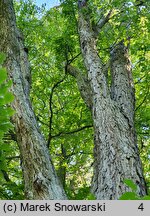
[{"x": 115, "y": 153}]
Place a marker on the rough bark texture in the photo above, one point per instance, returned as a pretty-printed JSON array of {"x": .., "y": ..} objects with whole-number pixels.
[
  {"x": 40, "y": 177},
  {"x": 122, "y": 87},
  {"x": 115, "y": 152},
  {"x": 83, "y": 85}
]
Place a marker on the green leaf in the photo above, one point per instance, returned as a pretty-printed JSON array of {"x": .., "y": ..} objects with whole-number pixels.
[
  {"x": 129, "y": 196},
  {"x": 91, "y": 197},
  {"x": 146, "y": 198},
  {"x": 2, "y": 58},
  {"x": 9, "y": 97},
  {"x": 3, "y": 75},
  {"x": 5, "y": 126},
  {"x": 130, "y": 184},
  {"x": 10, "y": 111}
]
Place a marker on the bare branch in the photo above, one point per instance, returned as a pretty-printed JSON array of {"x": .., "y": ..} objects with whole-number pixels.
[
  {"x": 72, "y": 132},
  {"x": 71, "y": 60},
  {"x": 51, "y": 109},
  {"x": 6, "y": 176},
  {"x": 143, "y": 101},
  {"x": 83, "y": 84},
  {"x": 13, "y": 157},
  {"x": 102, "y": 22}
]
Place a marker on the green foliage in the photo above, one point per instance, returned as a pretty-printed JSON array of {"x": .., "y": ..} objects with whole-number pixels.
[
  {"x": 5, "y": 98},
  {"x": 130, "y": 184},
  {"x": 129, "y": 196},
  {"x": 9, "y": 187},
  {"x": 132, "y": 195},
  {"x": 82, "y": 193}
]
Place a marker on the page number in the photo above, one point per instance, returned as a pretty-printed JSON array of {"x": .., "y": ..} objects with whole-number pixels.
[{"x": 141, "y": 207}]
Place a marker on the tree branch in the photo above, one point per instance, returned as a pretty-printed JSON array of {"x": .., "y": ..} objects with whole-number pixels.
[
  {"x": 13, "y": 157},
  {"x": 144, "y": 99},
  {"x": 97, "y": 28},
  {"x": 83, "y": 84},
  {"x": 51, "y": 109},
  {"x": 71, "y": 60},
  {"x": 72, "y": 132},
  {"x": 6, "y": 176}
]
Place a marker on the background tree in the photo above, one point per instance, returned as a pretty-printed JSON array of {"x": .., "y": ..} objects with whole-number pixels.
[{"x": 52, "y": 43}]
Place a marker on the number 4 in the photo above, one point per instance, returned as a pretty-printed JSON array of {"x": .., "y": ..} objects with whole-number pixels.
[{"x": 141, "y": 207}]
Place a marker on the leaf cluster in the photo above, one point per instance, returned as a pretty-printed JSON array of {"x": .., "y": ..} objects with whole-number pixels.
[
  {"x": 8, "y": 188},
  {"x": 133, "y": 194}
]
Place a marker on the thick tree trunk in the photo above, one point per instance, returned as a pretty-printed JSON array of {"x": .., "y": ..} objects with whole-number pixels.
[
  {"x": 115, "y": 152},
  {"x": 41, "y": 181}
]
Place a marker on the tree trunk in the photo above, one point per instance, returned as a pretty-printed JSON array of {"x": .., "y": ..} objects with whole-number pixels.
[
  {"x": 41, "y": 181},
  {"x": 115, "y": 153}
]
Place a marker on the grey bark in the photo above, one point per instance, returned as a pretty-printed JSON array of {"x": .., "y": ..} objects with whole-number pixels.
[
  {"x": 83, "y": 85},
  {"x": 41, "y": 181},
  {"x": 115, "y": 153},
  {"x": 122, "y": 86}
]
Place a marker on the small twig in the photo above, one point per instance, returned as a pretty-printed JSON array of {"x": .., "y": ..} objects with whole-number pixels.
[
  {"x": 51, "y": 109},
  {"x": 71, "y": 60},
  {"x": 140, "y": 79},
  {"x": 6, "y": 176},
  {"x": 144, "y": 99},
  {"x": 38, "y": 119},
  {"x": 13, "y": 157}
]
